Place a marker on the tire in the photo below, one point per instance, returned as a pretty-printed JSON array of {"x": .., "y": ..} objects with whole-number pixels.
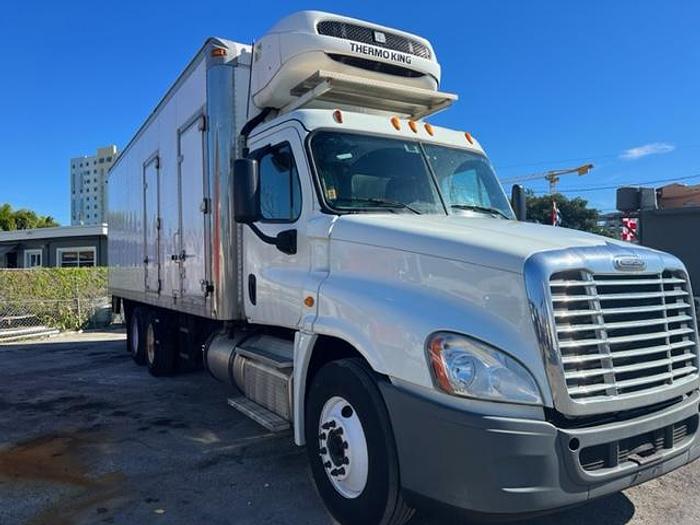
[
  {"x": 158, "y": 348},
  {"x": 344, "y": 395},
  {"x": 134, "y": 334}
]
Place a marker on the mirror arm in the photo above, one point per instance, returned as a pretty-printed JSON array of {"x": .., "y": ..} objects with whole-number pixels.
[
  {"x": 261, "y": 235},
  {"x": 284, "y": 243}
]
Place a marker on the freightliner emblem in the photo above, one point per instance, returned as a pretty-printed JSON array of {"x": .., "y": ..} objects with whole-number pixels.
[{"x": 630, "y": 264}]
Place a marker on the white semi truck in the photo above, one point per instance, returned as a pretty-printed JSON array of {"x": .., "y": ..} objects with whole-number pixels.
[{"x": 287, "y": 217}]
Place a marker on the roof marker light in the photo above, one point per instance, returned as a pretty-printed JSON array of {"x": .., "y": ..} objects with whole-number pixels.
[
  {"x": 338, "y": 116},
  {"x": 469, "y": 137},
  {"x": 429, "y": 129},
  {"x": 413, "y": 125},
  {"x": 218, "y": 52},
  {"x": 396, "y": 123}
]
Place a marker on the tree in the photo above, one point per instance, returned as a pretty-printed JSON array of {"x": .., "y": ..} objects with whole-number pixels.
[
  {"x": 23, "y": 219},
  {"x": 575, "y": 213}
]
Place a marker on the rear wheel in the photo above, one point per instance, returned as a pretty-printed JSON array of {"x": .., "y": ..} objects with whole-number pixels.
[
  {"x": 158, "y": 348},
  {"x": 134, "y": 335},
  {"x": 351, "y": 446}
]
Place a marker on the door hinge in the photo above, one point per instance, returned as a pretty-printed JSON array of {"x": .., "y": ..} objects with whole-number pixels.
[
  {"x": 180, "y": 159},
  {"x": 205, "y": 206},
  {"x": 158, "y": 222},
  {"x": 207, "y": 287},
  {"x": 202, "y": 123},
  {"x": 157, "y": 161}
]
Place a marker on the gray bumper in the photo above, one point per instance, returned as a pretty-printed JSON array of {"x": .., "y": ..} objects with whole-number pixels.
[{"x": 510, "y": 465}]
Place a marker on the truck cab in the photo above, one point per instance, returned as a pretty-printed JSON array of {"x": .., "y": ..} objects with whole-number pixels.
[{"x": 366, "y": 282}]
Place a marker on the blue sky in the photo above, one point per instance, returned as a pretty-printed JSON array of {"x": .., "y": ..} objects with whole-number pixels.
[{"x": 542, "y": 84}]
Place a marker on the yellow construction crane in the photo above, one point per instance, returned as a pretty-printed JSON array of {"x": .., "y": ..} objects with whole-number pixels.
[{"x": 552, "y": 176}]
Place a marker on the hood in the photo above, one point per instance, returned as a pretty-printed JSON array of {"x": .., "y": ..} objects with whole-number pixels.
[{"x": 486, "y": 241}]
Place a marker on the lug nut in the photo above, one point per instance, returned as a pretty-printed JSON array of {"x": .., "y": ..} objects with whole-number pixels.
[
  {"x": 323, "y": 451},
  {"x": 322, "y": 437},
  {"x": 338, "y": 472},
  {"x": 327, "y": 464},
  {"x": 339, "y": 431},
  {"x": 346, "y": 461},
  {"x": 346, "y": 445},
  {"x": 330, "y": 424}
]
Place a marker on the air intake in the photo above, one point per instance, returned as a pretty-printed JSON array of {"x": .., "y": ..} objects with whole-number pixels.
[{"x": 367, "y": 35}]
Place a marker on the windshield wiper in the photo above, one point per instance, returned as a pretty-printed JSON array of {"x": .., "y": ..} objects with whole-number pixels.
[
  {"x": 384, "y": 203},
  {"x": 476, "y": 207},
  {"x": 392, "y": 204}
]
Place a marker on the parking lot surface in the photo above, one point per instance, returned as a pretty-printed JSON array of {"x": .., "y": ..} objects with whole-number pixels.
[{"x": 87, "y": 436}]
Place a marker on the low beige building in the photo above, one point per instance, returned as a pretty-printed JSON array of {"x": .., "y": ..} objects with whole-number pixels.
[{"x": 678, "y": 196}]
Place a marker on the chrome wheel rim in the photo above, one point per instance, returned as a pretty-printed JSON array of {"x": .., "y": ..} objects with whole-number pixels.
[
  {"x": 343, "y": 447},
  {"x": 150, "y": 344}
]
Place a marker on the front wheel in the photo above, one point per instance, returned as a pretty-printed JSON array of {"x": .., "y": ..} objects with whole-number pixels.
[{"x": 351, "y": 447}]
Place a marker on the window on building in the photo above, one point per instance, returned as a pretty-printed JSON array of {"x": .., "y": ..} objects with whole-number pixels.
[
  {"x": 102, "y": 161},
  {"x": 32, "y": 258},
  {"x": 109, "y": 159},
  {"x": 75, "y": 257}
]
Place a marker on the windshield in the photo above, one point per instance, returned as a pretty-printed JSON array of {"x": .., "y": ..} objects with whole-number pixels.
[
  {"x": 369, "y": 173},
  {"x": 467, "y": 181}
]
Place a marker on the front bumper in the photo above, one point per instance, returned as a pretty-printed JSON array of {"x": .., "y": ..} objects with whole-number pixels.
[{"x": 509, "y": 465}]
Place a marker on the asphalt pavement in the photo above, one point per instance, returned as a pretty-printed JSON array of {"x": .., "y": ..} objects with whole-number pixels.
[{"x": 88, "y": 437}]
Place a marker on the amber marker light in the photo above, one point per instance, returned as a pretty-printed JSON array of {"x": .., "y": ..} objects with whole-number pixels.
[
  {"x": 413, "y": 125},
  {"x": 309, "y": 301},
  {"x": 338, "y": 116},
  {"x": 469, "y": 137},
  {"x": 218, "y": 52},
  {"x": 429, "y": 129},
  {"x": 435, "y": 353},
  {"x": 396, "y": 123}
]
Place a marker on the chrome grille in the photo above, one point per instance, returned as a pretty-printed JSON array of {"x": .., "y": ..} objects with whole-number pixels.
[
  {"x": 366, "y": 35},
  {"x": 622, "y": 335}
]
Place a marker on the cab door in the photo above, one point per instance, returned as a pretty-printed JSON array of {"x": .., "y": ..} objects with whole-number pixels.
[{"x": 274, "y": 280}]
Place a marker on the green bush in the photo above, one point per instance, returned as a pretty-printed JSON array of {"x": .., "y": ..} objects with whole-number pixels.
[{"x": 64, "y": 298}]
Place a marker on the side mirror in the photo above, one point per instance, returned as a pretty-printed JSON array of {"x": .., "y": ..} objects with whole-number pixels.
[
  {"x": 286, "y": 242},
  {"x": 246, "y": 195},
  {"x": 519, "y": 202}
]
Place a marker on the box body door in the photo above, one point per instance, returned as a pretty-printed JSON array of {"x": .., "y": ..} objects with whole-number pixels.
[
  {"x": 152, "y": 223},
  {"x": 193, "y": 210}
]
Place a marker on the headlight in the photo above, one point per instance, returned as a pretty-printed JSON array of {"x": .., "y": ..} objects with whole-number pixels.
[{"x": 470, "y": 368}]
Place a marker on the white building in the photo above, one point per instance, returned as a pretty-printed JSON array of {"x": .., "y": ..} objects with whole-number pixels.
[{"x": 88, "y": 181}]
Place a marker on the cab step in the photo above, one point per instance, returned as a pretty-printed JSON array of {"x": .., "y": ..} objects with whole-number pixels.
[{"x": 259, "y": 414}]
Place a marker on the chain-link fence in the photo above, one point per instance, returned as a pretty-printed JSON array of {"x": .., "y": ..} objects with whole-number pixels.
[{"x": 51, "y": 299}]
